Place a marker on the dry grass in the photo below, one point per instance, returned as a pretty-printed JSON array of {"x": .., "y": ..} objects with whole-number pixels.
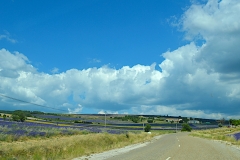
[
  {"x": 68, "y": 147},
  {"x": 221, "y": 134}
]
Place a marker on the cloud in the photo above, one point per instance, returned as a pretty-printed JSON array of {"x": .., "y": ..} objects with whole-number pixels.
[
  {"x": 55, "y": 70},
  {"x": 213, "y": 19},
  {"x": 94, "y": 60},
  {"x": 107, "y": 112},
  {"x": 172, "y": 111},
  {"x": 76, "y": 110},
  {"x": 196, "y": 80},
  {"x": 182, "y": 87},
  {"x": 216, "y": 23},
  {"x": 14, "y": 62},
  {"x": 8, "y": 37}
]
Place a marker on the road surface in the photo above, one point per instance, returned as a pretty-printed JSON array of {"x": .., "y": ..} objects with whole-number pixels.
[{"x": 178, "y": 146}]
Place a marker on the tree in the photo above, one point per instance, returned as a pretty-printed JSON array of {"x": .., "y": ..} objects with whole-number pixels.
[
  {"x": 4, "y": 117},
  {"x": 147, "y": 127},
  {"x": 235, "y": 122},
  {"x": 186, "y": 127},
  {"x": 185, "y": 119},
  {"x": 18, "y": 116},
  {"x": 15, "y": 117}
]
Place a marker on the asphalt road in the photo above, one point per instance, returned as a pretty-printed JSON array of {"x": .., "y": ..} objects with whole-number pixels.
[{"x": 178, "y": 146}]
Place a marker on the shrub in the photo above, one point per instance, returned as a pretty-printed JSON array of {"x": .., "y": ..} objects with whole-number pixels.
[
  {"x": 186, "y": 127},
  {"x": 150, "y": 120},
  {"x": 127, "y": 135},
  {"x": 147, "y": 128}
]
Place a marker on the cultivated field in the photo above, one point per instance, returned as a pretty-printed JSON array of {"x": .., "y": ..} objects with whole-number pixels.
[
  {"x": 53, "y": 136},
  {"x": 65, "y": 137}
]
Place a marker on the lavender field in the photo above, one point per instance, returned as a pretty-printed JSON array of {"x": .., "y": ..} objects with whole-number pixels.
[
  {"x": 13, "y": 131},
  {"x": 46, "y": 125},
  {"x": 63, "y": 134}
]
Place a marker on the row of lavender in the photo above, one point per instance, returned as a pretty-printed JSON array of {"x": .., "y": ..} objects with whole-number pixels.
[
  {"x": 236, "y": 136},
  {"x": 68, "y": 118},
  {"x": 12, "y": 131}
]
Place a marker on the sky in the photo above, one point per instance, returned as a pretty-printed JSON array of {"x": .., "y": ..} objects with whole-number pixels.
[{"x": 179, "y": 58}]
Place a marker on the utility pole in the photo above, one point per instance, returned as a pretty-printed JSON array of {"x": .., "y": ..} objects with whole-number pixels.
[
  {"x": 176, "y": 126},
  {"x": 105, "y": 119}
]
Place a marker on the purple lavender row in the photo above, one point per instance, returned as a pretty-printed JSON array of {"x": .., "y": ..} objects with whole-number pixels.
[{"x": 237, "y": 136}]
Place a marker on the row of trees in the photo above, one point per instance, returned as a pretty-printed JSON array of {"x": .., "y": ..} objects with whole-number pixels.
[
  {"x": 235, "y": 122},
  {"x": 138, "y": 119},
  {"x": 185, "y": 127},
  {"x": 4, "y": 116},
  {"x": 132, "y": 118},
  {"x": 17, "y": 115}
]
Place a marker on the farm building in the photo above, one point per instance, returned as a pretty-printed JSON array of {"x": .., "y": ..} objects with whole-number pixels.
[{"x": 175, "y": 120}]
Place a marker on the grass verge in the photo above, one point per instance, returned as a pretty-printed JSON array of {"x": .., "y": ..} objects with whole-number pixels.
[
  {"x": 222, "y": 134},
  {"x": 68, "y": 147}
]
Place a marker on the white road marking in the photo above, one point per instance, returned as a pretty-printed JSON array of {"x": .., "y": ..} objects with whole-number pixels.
[{"x": 168, "y": 158}]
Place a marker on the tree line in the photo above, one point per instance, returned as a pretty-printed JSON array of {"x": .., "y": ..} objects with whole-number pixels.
[
  {"x": 17, "y": 115},
  {"x": 234, "y": 122}
]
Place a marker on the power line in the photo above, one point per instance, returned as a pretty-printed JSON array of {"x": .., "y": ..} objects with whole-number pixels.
[{"x": 30, "y": 102}]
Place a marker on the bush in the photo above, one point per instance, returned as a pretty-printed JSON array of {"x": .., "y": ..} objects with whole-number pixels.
[
  {"x": 186, "y": 127},
  {"x": 77, "y": 121},
  {"x": 147, "y": 128},
  {"x": 150, "y": 120},
  {"x": 127, "y": 135}
]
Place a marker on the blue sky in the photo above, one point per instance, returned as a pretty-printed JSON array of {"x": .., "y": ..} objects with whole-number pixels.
[
  {"x": 136, "y": 57},
  {"x": 84, "y": 34}
]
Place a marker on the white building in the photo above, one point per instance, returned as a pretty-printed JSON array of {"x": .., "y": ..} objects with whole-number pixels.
[{"x": 193, "y": 122}]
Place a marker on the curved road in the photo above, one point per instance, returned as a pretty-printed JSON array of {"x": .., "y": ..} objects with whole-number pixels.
[{"x": 177, "y": 146}]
